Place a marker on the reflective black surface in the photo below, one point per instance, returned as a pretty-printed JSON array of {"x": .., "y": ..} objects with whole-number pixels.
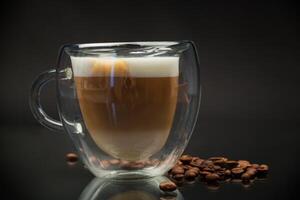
[
  {"x": 249, "y": 58},
  {"x": 34, "y": 166}
]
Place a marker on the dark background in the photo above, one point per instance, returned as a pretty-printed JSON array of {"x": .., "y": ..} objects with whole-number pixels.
[{"x": 249, "y": 57}]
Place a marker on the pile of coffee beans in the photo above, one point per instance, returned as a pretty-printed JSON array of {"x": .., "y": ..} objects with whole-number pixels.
[
  {"x": 128, "y": 165},
  {"x": 214, "y": 170},
  {"x": 188, "y": 168}
]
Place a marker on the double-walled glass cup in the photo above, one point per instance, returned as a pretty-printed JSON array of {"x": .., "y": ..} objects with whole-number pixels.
[{"x": 129, "y": 107}]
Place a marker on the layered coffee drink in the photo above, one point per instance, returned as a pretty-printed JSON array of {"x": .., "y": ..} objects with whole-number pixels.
[{"x": 127, "y": 104}]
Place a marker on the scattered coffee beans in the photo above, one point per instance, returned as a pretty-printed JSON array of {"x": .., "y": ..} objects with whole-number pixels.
[{"x": 216, "y": 169}]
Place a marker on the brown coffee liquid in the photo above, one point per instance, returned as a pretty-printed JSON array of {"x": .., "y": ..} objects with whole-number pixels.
[{"x": 128, "y": 117}]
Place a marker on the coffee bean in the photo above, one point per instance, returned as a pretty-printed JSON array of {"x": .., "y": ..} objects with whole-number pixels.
[
  {"x": 179, "y": 162},
  {"x": 264, "y": 167},
  {"x": 244, "y": 164},
  {"x": 208, "y": 169},
  {"x": 196, "y": 158},
  {"x": 208, "y": 163},
  {"x": 167, "y": 186},
  {"x": 196, "y": 162},
  {"x": 136, "y": 165},
  {"x": 71, "y": 158},
  {"x": 251, "y": 171},
  {"x": 216, "y": 167},
  {"x": 124, "y": 164},
  {"x": 186, "y": 167},
  {"x": 212, "y": 177},
  {"x": 246, "y": 177},
  {"x": 177, "y": 170},
  {"x": 227, "y": 173},
  {"x": 195, "y": 169},
  {"x": 178, "y": 177},
  {"x": 237, "y": 172},
  {"x": 114, "y": 162},
  {"x": 262, "y": 170},
  {"x": 217, "y": 158},
  {"x": 255, "y": 166},
  {"x": 220, "y": 163},
  {"x": 230, "y": 164},
  {"x": 186, "y": 159},
  {"x": 105, "y": 164},
  {"x": 190, "y": 175}
]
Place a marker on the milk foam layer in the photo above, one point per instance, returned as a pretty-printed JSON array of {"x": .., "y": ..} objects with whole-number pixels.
[{"x": 135, "y": 66}]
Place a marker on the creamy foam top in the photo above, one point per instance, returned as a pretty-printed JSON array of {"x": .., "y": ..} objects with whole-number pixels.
[{"x": 132, "y": 66}]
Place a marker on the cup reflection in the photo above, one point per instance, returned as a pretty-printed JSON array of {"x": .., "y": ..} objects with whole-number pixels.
[{"x": 144, "y": 189}]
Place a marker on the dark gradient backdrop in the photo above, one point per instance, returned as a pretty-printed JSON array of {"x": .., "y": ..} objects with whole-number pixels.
[{"x": 249, "y": 56}]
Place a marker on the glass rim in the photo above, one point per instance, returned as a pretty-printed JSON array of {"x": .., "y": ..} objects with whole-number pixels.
[{"x": 112, "y": 47}]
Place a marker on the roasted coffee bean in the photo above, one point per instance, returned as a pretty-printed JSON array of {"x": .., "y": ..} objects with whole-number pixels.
[
  {"x": 178, "y": 177},
  {"x": 179, "y": 162},
  {"x": 71, "y": 158},
  {"x": 186, "y": 167},
  {"x": 244, "y": 164},
  {"x": 208, "y": 163},
  {"x": 230, "y": 164},
  {"x": 227, "y": 173},
  {"x": 148, "y": 163},
  {"x": 136, "y": 165},
  {"x": 196, "y": 158},
  {"x": 264, "y": 167},
  {"x": 208, "y": 169},
  {"x": 251, "y": 171},
  {"x": 217, "y": 158},
  {"x": 212, "y": 177},
  {"x": 124, "y": 164},
  {"x": 186, "y": 159},
  {"x": 196, "y": 162},
  {"x": 105, "y": 164},
  {"x": 237, "y": 172},
  {"x": 132, "y": 165},
  {"x": 216, "y": 167},
  {"x": 177, "y": 170},
  {"x": 262, "y": 170},
  {"x": 246, "y": 177},
  {"x": 167, "y": 186},
  {"x": 220, "y": 163},
  {"x": 255, "y": 166},
  {"x": 204, "y": 173},
  {"x": 190, "y": 175},
  {"x": 195, "y": 169},
  {"x": 114, "y": 162}
]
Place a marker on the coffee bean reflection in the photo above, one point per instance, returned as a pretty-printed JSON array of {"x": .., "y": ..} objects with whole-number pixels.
[
  {"x": 146, "y": 189},
  {"x": 133, "y": 195}
]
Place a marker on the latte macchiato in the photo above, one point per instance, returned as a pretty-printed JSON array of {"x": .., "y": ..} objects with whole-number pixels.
[{"x": 127, "y": 104}]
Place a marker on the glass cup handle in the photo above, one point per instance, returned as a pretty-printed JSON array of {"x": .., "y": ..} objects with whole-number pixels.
[{"x": 35, "y": 102}]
